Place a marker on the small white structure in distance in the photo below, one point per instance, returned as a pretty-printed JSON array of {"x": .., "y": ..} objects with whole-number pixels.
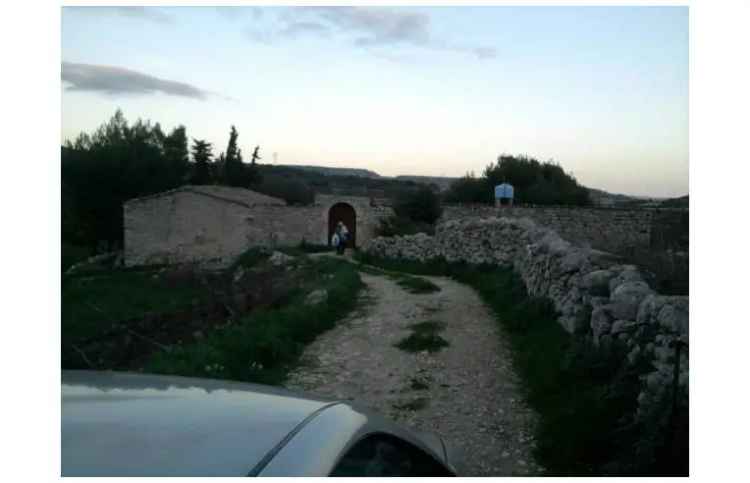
[{"x": 504, "y": 195}]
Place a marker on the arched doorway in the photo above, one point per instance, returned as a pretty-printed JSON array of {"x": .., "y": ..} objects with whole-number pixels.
[{"x": 345, "y": 213}]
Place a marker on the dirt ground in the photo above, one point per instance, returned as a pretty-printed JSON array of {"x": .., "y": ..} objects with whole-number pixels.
[{"x": 466, "y": 392}]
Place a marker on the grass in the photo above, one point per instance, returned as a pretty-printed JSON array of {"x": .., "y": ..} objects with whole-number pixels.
[
  {"x": 305, "y": 248},
  {"x": 413, "y": 405},
  {"x": 251, "y": 258},
  {"x": 416, "y": 285},
  {"x": 71, "y": 254},
  {"x": 91, "y": 303},
  {"x": 410, "y": 283},
  {"x": 585, "y": 396},
  {"x": 423, "y": 338},
  {"x": 264, "y": 345},
  {"x": 419, "y": 383}
]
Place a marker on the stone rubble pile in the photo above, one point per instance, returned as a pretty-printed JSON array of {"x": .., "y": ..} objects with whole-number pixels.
[{"x": 595, "y": 296}]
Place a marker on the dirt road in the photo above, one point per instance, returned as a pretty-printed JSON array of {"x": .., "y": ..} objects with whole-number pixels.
[{"x": 466, "y": 392}]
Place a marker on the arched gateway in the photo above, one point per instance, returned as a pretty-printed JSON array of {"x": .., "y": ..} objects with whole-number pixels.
[{"x": 345, "y": 213}]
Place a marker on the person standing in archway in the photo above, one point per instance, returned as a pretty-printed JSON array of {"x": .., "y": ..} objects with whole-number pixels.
[{"x": 344, "y": 236}]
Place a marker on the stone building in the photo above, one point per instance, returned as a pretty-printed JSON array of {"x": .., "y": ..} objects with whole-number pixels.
[{"x": 218, "y": 223}]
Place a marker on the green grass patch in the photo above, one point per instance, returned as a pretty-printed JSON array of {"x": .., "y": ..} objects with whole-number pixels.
[
  {"x": 71, "y": 254},
  {"x": 264, "y": 345},
  {"x": 423, "y": 338},
  {"x": 410, "y": 283},
  {"x": 585, "y": 396},
  {"x": 416, "y": 285},
  {"x": 412, "y": 405},
  {"x": 419, "y": 384},
  {"x": 251, "y": 258},
  {"x": 91, "y": 303}
]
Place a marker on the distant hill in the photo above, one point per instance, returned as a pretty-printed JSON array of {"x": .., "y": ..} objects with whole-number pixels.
[
  {"x": 604, "y": 198},
  {"x": 442, "y": 182},
  {"x": 679, "y": 202},
  {"x": 331, "y": 171}
]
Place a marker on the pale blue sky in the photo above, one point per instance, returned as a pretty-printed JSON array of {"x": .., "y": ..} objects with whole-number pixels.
[{"x": 399, "y": 90}]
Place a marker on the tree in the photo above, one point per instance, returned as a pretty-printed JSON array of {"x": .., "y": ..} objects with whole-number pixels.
[
  {"x": 533, "y": 182},
  {"x": 202, "y": 159},
  {"x": 117, "y": 162},
  {"x": 233, "y": 167},
  {"x": 419, "y": 205},
  {"x": 176, "y": 154},
  {"x": 469, "y": 189}
]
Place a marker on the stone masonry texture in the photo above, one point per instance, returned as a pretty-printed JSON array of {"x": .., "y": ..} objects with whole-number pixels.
[{"x": 217, "y": 223}]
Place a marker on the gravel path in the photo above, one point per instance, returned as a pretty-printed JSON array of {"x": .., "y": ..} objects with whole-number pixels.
[{"x": 472, "y": 400}]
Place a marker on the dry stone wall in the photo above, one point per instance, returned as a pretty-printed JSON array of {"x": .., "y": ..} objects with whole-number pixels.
[
  {"x": 595, "y": 296},
  {"x": 625, "y": 228}
]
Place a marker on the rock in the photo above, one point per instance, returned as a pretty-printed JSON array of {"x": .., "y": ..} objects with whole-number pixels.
[
  {"x": 316, "y": 297},
  {"x": 601, "y": 321},
  {"x": 633, "y": 354},
  {"x": 626, "y": 299},
  {"x": 572, "y": 261},
  {"x": 619, "y": 326},
  {"x": 628, "y": 273},
  {"x": 238, "y": 274},
  {"x": 197, "y": 335},
  {"x": 597, "y": 282},
  {"x": 277, "y": 258}
]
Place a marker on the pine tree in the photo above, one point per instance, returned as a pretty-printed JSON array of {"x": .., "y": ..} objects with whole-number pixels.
[
  {"x": 233, "y": 166},
  {"x": 202, "y": 158}
]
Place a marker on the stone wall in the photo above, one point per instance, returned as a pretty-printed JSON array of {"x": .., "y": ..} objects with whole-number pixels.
[
  {"x": 610, "y": 229},
  {"x": 200, "y": 223},
  {"x": 594, "y": 295}
]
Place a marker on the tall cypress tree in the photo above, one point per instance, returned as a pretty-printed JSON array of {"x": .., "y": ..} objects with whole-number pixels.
[
  {"x": 233, "y": 166},
  {"x": 202, "y": 157}
]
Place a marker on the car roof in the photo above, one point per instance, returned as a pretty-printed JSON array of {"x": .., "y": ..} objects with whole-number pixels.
[{"x": 124, "y": 424}]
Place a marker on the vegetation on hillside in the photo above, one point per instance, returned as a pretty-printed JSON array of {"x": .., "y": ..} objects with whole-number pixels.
[
  {"x": 264, "y": 345},
  {"x": 534, "y": 182},
  {"x": 120, "y": 161},
  {"x": 415, "y": 210},
  {"x": 165, "y": 319},
  {"x": 585, "y": 396}
]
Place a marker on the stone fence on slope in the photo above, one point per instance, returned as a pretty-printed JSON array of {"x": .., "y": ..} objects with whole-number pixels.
[{"x": 595, "y": 295}]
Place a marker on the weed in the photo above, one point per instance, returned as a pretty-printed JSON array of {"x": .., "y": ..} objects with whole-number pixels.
[
  {"x": 419, "y": 384},
  {"x": 412, "y": 405},
  {"x": 416, "y": 285},
  {"x": 423, "y": 338},
  {"x": 264, "y": 345}
]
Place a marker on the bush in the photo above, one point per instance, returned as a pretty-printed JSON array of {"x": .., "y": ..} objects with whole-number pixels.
[
  {"x": 264, "y": 345},
  {"x": 291, "y": 190},
  {"x": 533, "y": 182},
  {"x": 397, "y": 225},
  {"x": 421, "y": 205},
  {"x": 470, "y": 189}
]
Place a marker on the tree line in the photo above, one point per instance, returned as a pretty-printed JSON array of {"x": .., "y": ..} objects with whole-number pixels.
[
  {"x": 120, "y": 161},
  {"x": 534, "y": 182}
]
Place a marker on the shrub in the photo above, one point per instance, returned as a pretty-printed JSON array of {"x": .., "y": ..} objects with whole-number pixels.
[
  {"x": 264, "y": 345},
  {"x": 397, "y": 225},
  {"x": 421, "y": 205},
  {"x": 292, "y": 190}
]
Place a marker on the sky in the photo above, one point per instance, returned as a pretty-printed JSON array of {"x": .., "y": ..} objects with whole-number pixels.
[{"x": 437, "y": 91}]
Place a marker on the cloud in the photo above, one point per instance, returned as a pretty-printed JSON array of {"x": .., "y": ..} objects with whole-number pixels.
[
  {"x": 369, "y": 26},
  {"x": 300, "y": 28},
  {"x": 146, "y": 13},
  {"x": 116, "y": 80},
  {"x": 239, "y": 13}
]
